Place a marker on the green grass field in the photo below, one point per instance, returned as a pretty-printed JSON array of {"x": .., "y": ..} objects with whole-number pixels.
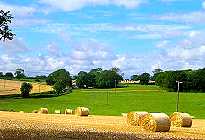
[{"x": 109, "y": 102}]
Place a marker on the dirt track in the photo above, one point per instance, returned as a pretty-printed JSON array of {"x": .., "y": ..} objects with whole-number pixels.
[{"x": 42, "y": 126}]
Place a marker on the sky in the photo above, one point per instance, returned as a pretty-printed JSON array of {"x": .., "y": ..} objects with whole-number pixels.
[{"x": 134, "y": 35}]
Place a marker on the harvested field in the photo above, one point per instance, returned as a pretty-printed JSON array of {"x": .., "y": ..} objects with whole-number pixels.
[
  {"x": 55, "y": 126},
  {"x": 8, "y": 87}
]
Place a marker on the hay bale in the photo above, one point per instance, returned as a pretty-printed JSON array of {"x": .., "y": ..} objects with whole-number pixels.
[
  {"x": 156, "y": 122},
  {"x": 43, "y": 111},
  {"x": 82, "y": 111},
  {"x": 135, "y": 118},
  {"x": 21, "y": 111},
  {"x": 35, "y": 111},
  {"x": 57, "y": 112},
  {"x": 179, "y": 119},
  {"x": 69, "y": 111}
]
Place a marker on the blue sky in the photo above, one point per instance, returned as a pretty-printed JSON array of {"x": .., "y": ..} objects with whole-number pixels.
[{"x": 134, "y": 35}]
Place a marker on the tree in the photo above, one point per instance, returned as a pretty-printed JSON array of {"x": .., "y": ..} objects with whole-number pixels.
[
  {"x": 135, "y": 77},
  {"x": 59, "y": 87},
  {"x": 5, "y": 20},
  {"x": 9, "y": 75},
  {"x": 19, "y": 74},
  {"x": 92, "y": 76},
  {"x": 1, "y": 74},
  {"x": 82, "y": 79},
  {"x": 108, "y": 79},
  {"x": 156, "y": 72},
  {"x": 193, "y": 80},
  {"x": 26, "y": 89},
  {"x": 117, "y": 70},
  {"x": 144, "y": 78},
  {"x": 61, "y": 76}
]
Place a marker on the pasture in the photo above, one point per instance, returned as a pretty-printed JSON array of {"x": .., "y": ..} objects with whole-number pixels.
[{"x": 112, "y": 102}]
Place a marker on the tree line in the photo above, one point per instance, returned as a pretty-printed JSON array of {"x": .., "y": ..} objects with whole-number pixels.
[
  {"x": 145, "y": 77},
  {"x": 193, "y": 80},
  {"x": 98, "y": 78},
  {"x": 19, "y": 74}
]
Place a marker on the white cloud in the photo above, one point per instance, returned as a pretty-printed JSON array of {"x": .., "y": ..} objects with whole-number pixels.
[
  {"x": 192, "y": 17},
  {"x": 18, "y": 10},
  {"x": 23, "y": 22},
  {"x": 188, "y": 53},
  {"x": 142, "y": 31},
  {"x": 162, "y": 44},
  {"x": 17, "y": 45},
  {"x": 175, "y": 0},
  {"x": 71, "y": 5},
  {"x": 203, "y": 4}
]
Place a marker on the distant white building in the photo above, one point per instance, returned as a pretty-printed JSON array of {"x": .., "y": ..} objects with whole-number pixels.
[{"x": 134, "y": 82}]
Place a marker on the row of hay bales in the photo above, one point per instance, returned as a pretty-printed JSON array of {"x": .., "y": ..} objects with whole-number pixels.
[
  {"x": 79, "y": 111},
  {"x": 159, "y": 122}
]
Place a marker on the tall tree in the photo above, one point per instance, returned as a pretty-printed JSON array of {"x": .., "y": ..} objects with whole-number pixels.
[
  {"x": 108, "y": 79},
  {"x": 60, "y": 80},
  {"x": 144, "y": 78},
  {"x": 135, "y": 77},
  {"x": 82, "y": 79},
  {"x": 60, "y": 75},
  {"x": 5, "y": 20},
  {"x": 9, "y": 75},
  {"x": 19, "y": 73},
  {"x": 156, "y": 72},
  {"x": 1, "y": 74}
]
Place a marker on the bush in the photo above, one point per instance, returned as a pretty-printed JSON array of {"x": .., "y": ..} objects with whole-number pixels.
[{"x": 26, "y": 89}]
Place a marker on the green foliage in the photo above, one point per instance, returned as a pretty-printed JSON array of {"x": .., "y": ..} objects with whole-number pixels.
[
  {"x": 82, "y": 79},
  {"x": 9, "y": 75},
  {"x": 1, "y": 74},
  {"x": 19, "y": 74},
  {"x": 59, "y": 87},
  {"x": 144, "y": 78},
  {"x": 156, "y": 72},
  {"x": 193, "y": 80},
  {"x": 108, "y": 79},
  {"x": 135, "y": 77},
  {"x": 98, "y": 78},
  {"x": 5, "y": 19},
  {"x": 60, "y": 76},
  {"x": 26, "y": 89}
]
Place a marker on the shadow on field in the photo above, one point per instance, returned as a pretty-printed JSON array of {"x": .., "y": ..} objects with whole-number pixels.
[{"x": 49, "y": 94}]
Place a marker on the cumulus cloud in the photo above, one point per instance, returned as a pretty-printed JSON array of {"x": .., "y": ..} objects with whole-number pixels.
[
  {"x": 18, "y": 10},
  {"x": 186, "y": 53},
  {"x": 72, "y": 5},
  {"x": 142, "y": 31},
  {"x": 189, "y": 18},
  {"x": 25, "y": 22},
  {"x": 17, "y": 45}
]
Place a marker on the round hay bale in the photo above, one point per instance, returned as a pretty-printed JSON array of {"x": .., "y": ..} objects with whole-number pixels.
[
  {"x": 179, "y": 119},
  {"x": 135, "y": 118},
  {"x": 68, "y": 111},
  {"x": 82, "y": 111},
  {"x": 35, "y": 111},
  {"x": 156, "y": 122},
  {"x": 43, "y": 111},
  {"x": 57, "y": 112}
]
